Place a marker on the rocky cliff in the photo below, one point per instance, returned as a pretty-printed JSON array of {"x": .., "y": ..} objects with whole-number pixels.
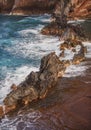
[
  {"x": 27, "y": 7},
  {"x": 78, "y": 8},
  {"x": 6, "y": 6},
  {"x": 81, "y": 9}
]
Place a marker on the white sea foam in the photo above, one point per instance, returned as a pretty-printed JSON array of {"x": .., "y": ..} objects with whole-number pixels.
[
  {"x": 32, "y": 49},
  {"x": 27, "y": 31},
  {"x": 35, "y": 48},
  {"x": 16, "y": 77},
  {"x": 77, "y": 70},
  {"x": 76, "y": 21}
]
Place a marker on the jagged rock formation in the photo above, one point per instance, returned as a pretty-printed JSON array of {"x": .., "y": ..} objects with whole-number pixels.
[
  {"x": 59, "y": 26},
  {"x": 37, "y": 84},
  {"x": 81, "y": 9},
  {"x": 70, "y": 31}
]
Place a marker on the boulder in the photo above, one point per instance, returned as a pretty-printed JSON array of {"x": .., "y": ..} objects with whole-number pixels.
[{"x": 36, "y": 84}]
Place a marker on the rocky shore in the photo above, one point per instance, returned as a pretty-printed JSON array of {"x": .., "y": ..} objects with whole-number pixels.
[{"x": 38, "y": 85}]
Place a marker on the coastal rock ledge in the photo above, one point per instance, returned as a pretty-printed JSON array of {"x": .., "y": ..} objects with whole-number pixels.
[{"x": 36, "y": 84}]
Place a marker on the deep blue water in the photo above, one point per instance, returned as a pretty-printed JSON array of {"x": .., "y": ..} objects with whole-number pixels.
[
  {"x": 11, "y": 37},
  {"x": 21, "y": 48}
]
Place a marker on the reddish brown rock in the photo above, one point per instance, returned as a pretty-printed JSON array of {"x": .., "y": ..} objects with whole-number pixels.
[
  {"x": 75, "y": 8},
  {"x": 73, "y": 111},
  {"x": 6, "y": 6},
  {"x": 36, "y": 84},
  {"x": 81, "y": 9},
  {"x": 27, "y": 7},
  {"x": 1, "y": 112},
  {"x": 33, "y": 6},
  {"x": 52, "y": 29}
]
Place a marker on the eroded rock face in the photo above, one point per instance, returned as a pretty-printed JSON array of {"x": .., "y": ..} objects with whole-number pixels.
[
  {"x": 37, "y": 84},
  {"x": 33, "y": 6},
  {"x": 81, "y": 9},
  {"x": 71, "y": 8},
  {"x": 27, "y": 7},
  {"x": 6, "y": 6}
]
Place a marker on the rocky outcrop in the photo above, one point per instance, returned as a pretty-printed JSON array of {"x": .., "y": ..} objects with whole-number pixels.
[
  {"x": 70, "y": 31},
  {"x": 6, "y": 6},
  {"x": 36, "y": 84},
  {"x": 72, "y": 9},
  {"x": 33, "y": 7},
  {"x": 81, "y": 9},
  {"x": 62, "y": 13},
  {"x": 76, "y": 47}
]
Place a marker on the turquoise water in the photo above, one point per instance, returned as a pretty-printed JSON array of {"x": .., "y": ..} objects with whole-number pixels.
[
  {"x": 21, "y": 48},
  {"x": 12, "y": 38}
]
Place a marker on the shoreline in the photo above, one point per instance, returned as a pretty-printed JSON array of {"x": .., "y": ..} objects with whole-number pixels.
[{"x": 72, "y": 105}]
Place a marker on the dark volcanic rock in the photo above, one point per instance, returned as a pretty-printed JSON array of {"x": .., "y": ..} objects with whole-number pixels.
[
  {"x": 36, "y": 84},
  {"x": 49, "y": 72}
]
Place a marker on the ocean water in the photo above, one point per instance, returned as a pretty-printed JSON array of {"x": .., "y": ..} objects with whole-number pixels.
[{"x": 21, "y": 48}]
